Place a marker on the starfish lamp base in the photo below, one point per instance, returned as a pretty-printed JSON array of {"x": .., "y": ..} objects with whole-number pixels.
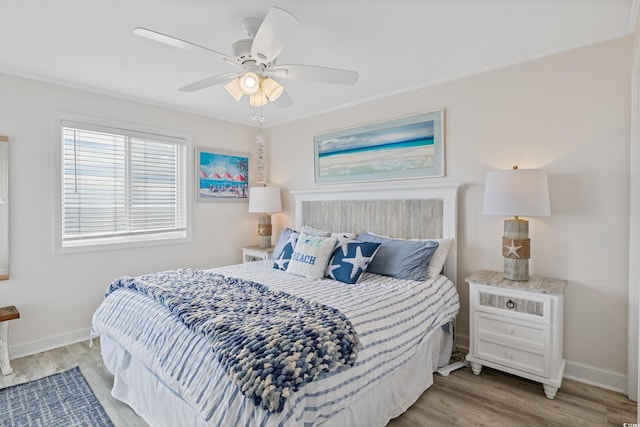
[
  {"x": 264, "y": 231},
  {"x": 516, "y": 249}
]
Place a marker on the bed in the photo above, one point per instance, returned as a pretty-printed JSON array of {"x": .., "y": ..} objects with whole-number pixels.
[{"x": 402, "y": 328}]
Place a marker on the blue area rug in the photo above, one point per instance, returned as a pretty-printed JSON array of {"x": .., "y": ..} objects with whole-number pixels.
[{"x": 63, "y": 399}]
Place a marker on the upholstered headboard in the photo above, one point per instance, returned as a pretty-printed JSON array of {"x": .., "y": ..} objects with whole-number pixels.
[{"x": 425, "y": 211}]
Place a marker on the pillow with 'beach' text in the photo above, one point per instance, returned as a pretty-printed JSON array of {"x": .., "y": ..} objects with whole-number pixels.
[{"x": 311, "y": 256}]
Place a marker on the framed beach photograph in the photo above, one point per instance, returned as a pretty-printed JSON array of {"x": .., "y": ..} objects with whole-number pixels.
[
  {"x": 404, "y": 148},
  {"x": 221, "y": 176}
]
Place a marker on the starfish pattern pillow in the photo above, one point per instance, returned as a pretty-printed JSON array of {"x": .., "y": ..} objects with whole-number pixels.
[
  {"x": 350, "y": 259},
  {"x": 343, "y": 239},
  {"x": 282, "y": 262},
  {"x": 283, "y": 239}
]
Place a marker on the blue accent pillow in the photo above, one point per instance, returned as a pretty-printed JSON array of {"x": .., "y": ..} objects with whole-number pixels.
[
  {"x": 282, "y": 261},
  {"x": 283, "y": 238},
  {"x": 400, "y": 258},
  {"x": 350, "y": 259}
]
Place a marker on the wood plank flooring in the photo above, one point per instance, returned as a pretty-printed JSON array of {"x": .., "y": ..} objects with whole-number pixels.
[
  {"x": 497, "y": 399},
  {"x": 461, "y": 399}
]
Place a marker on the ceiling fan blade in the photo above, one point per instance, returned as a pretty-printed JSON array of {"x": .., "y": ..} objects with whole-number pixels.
[
  {"x": 208, "y": 82},
  {"x": 273, "y": 34},
  {"x": 181, "y": 44},
  {"x": 283, "y": 101},
  {"x": 316, "y": 74}
]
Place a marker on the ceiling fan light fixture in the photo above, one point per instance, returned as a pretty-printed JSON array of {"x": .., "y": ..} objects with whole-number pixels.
[
  {"x": 250, "y": 83},
  {"x": 234, "y": 89},
  {"x": 258, "y": 100},
  {"x": 271, "y": 88}
]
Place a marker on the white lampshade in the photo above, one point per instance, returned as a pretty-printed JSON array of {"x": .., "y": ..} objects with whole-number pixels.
[
  {"x": 271, "y": 88},
  {"x": 258, "y": 100},
  {"x": 234, "y": 89},
  {"x": 264, "y": 200},
  {"x": 517, "y": 192}
]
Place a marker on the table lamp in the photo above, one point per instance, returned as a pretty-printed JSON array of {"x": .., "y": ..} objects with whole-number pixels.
[
  {"x": 516, "y": 192},
  {"x": 264, "y": 200}
]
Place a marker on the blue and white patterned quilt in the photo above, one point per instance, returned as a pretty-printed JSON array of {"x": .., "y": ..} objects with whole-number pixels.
[{"x": 269, "y": 343}]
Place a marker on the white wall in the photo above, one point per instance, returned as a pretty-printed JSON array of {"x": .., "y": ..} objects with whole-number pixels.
[
  {"x": 568, "y": 114},
  {"x": 57, "y": 294}
]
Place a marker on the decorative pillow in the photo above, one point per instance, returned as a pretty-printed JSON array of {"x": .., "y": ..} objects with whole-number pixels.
[
  {"x": 282, "y": 262},
  {"x": 436, "y": 264},
  {"x": 439, "y": 257},
  {"x": 399, "y": 258},
  {"x": 343, "y": 239},
  {"x": 283, "y": 238},
  {"x": 311, "y": 256},
  {"x": 341, "y": 244},
  {"x": 350, "y": 260},
  {"x": 314, "y": 231}
]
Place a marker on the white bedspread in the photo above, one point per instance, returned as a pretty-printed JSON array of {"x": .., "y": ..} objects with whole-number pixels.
[{"x": 392, "y": 318}]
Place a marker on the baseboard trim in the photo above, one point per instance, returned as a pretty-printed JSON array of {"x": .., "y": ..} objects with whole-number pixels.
[
  {"x": 461, "y": 342},
  {"x": 49, "y": 343},
  {"x": 581, "y": 372},
  {"x": 598, "y": 377}
]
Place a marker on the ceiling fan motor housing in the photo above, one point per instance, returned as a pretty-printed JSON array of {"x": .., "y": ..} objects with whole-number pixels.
[{"x": 242, "y": 49}]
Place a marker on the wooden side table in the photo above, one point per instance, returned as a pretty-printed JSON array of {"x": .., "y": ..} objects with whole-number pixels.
[{"x": 6, "y": 314}]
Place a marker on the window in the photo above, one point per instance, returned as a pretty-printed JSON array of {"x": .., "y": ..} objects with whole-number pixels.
[{"x": 120, "y": 184}]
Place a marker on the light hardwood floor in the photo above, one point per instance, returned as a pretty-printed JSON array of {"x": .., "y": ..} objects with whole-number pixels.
[{"x": 461, "y": 399}]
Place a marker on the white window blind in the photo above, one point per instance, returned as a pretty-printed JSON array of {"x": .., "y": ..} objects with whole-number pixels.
[{"x": 121, "y": 185}]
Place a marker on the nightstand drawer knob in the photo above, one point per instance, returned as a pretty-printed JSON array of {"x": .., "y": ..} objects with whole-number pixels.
[
  {"x": 509, "y": 330},
  {"x": 510, "y": 304},
  {"x": 509, "y": 355}
]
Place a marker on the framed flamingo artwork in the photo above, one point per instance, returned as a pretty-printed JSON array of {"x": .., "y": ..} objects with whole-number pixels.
[{"x": 221, "y": 176}]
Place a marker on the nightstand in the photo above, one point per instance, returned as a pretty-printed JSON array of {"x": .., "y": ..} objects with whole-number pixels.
[
  {"x": 516, "y": 327},
  {"x": 256, "y": 253}
]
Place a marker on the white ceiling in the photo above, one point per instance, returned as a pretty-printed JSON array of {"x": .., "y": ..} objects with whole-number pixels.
[{"x": 396, "y": 45}]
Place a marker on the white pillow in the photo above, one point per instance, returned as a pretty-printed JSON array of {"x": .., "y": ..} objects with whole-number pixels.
[
  {"x": 314, "y": 231},
  {"x": 343, "y": 235},
  {"x": 311, "y": 256},
  {"x": 436, "y": 264},
  {"x": 439, "y": 257}
]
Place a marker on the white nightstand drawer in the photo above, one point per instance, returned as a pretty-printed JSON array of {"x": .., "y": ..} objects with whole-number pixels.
[
  {"x": 526, "y": 361},
  {"x": 529, "y": 334},
  {"x": 513, "y": 304}
]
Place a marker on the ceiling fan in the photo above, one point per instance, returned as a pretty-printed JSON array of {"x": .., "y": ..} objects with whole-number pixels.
[{"x": 255, "y": 60}]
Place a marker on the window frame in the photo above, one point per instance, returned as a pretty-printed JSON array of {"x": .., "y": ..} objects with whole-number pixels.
[{"x": 122, "y": 242}]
